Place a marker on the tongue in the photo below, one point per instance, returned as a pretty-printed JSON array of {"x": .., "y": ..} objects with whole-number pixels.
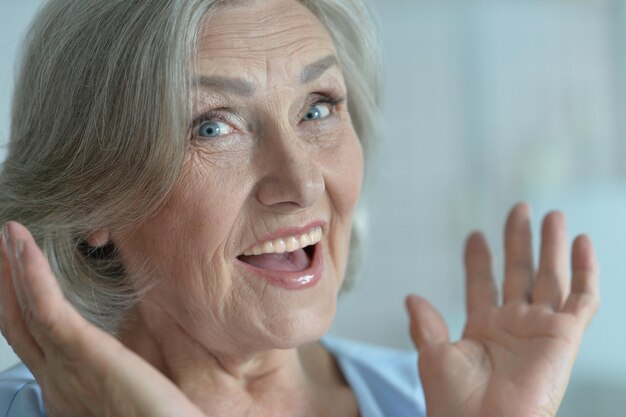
[{"x": 288, "y": 261}]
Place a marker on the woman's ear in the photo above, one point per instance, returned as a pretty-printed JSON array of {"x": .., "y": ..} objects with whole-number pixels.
[{"x": 98, "y": 239}]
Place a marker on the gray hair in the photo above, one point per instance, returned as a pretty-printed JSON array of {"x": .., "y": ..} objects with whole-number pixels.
[{"x": 100, "y": 126}]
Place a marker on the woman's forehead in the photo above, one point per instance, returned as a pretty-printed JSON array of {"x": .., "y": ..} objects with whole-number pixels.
[
  {"x": 282, "y": 33},
  {"x": 246, "y": 86}
]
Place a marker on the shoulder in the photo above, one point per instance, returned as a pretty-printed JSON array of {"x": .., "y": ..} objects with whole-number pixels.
[
  {"x": 384, "y": 380},
  {"x": 20, "y": 396}
]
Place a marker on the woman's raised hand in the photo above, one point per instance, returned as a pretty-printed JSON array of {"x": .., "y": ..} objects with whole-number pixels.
[
  {"x": 515, "y": 357},
  {"x": 82, "y": 370}
]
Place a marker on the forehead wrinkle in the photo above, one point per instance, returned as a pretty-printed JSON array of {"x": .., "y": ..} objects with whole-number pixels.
[
  {"x": 273, "y": 28},
  {"x": 234, "y": 85},
  {"x": 284, "y": 40},
  {"x": 303, "y": 63},
  {"x": 280, "y": 37}
]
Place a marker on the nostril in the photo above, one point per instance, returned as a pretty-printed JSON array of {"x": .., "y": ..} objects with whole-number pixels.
[{"x": 291, "y": 185}]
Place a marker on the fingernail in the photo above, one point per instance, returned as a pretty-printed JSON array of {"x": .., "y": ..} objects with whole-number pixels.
[
  {"x": 20, "y": 246},
  {"x": 19, "y": 250},
  {"x": 6, "y": 238},
  {"x": 5, "y": 235},
  {"x": 20, "y": 258}
]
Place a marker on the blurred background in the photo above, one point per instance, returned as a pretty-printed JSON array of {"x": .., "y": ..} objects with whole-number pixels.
[{"x": 486, "y": 103}]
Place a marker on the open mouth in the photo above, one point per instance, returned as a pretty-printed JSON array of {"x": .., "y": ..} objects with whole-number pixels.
[
  {"x": 298, "y": 260},
  {"x": 293, "y": 254}
]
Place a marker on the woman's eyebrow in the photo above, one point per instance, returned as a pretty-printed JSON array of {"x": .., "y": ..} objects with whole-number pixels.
[
  {"x": 315, "y": 70},
  {"x": 245, "y": 88},
  {"x": 237, "y": 86}
]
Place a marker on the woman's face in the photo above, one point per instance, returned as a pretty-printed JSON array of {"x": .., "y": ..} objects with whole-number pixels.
[{"x": 274, "y": 165}]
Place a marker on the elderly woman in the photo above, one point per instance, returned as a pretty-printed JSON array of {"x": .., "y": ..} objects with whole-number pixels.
[{"x": 182, "y": 177}]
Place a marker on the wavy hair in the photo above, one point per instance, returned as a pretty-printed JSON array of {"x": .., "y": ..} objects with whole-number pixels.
[{"x": 99, "y": 127}]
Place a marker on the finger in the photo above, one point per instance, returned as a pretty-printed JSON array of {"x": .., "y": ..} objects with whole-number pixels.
[
  {"x": 552, "y": 282},
  {"x": 426, "y": 324},
  {"x": 13, "y": 248},
  {"x": 518, "y": 262},
  {"x": 49, "y": 317},
  {"x": 584, "y": 298},
  {"x": 5, "y": 271},
  {"x": 480, "y": 289},
  {"x": 12, "y": 322}
]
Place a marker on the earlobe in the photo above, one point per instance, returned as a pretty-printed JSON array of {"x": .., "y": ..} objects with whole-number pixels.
[{"x": 98, "y": 239}]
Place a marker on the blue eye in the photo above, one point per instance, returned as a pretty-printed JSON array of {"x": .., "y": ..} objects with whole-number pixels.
[
  {"x": 213, "y": 129},
  {"x": 317, "y": 111}
]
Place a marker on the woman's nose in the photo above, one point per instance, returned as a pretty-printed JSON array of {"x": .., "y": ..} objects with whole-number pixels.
[{"x": 291, "y": 178}]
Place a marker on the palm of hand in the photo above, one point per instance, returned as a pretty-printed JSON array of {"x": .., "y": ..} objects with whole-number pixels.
[
  {"x": 505, "y": 354},
  {"x": 514, "y": 359},
  {"x": 82, "y": 370}
]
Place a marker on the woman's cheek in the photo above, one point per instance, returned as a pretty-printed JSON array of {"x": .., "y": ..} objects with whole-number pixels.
[{"x": 344, "y": 174}]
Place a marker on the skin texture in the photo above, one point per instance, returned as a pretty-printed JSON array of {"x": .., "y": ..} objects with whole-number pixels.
[
  {"x": 515, "y": 357},
  {"x": 270, "y": 170},
  {"x": 212, "y": 339}
]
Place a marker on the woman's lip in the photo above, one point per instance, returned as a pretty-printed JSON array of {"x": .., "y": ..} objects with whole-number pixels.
[
  {"x": 292, "y": 280},
  {"x": 288, "y": 232}
]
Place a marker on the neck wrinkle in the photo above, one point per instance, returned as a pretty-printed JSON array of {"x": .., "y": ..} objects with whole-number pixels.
[{"x": 212, "y": 381}]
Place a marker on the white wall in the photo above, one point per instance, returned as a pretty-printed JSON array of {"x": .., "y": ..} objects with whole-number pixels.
[{"x": 487, "y": 103}]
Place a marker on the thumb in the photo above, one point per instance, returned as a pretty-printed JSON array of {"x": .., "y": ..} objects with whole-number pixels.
[{"x": 426, "y": 324}]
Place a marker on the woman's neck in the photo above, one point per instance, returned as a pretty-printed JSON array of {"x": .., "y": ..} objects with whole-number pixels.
[{"x": 290, "y": 382}]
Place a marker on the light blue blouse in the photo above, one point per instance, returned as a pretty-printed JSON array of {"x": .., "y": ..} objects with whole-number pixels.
[
  {"x": 20, "y": 396},
  {"x": 384, "y": 381}
]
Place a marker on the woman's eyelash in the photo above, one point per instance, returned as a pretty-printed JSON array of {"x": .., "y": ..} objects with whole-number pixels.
[
  {"x": 207, "y": 117},
  {"x": 217, "y": 115},
  {"x": 334, "y": 102}
]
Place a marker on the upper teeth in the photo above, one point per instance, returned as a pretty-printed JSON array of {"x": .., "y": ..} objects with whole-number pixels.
[{"x": 288, "y": 244}]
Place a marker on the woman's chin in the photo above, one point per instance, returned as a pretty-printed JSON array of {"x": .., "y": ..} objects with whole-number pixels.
[
  {"x": 289, "y": 319},
  {"x": 302, "y": 328}
]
